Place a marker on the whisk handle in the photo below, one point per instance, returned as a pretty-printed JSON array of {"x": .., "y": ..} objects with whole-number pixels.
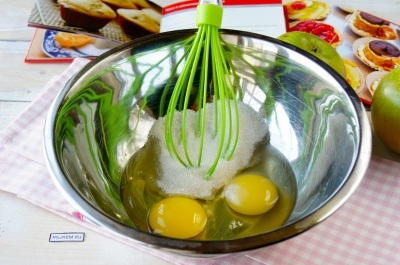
[
  {"x": 215, "y": 2},
  {"x": 209, "y": 14}
]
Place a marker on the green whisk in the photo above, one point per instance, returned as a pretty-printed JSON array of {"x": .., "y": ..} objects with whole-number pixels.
[{"x": 208, "y": 76}]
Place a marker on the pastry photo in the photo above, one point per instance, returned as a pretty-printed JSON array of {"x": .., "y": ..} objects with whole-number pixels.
[
  {"x": 376, "y": 53},
  {"x": 366, "y": 25},
  {"x": 90, "y": 14},
  {"x": 322, "y": 30},
  {"x": 306, "y": 9},
  {"x": 138, "y": 23},
  {"x": 354, "y": 75},
  {"x": 98, "y": 18},
  {"x": 373, "y": 79}
]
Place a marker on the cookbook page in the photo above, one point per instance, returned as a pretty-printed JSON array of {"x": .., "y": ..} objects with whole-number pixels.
[
  {"x": 264, "y": 17},
  {"x": 121, "y": 22}
]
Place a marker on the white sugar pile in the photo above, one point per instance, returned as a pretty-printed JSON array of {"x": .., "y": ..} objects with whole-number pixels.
[{"x": 175, "y": 179}]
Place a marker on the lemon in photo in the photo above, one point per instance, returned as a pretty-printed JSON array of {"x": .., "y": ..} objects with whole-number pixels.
[{"x": 68, "y": 40}]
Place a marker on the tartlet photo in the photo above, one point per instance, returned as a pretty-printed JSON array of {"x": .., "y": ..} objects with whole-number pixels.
[
  {"x": 306, "y": 9},
  {"x": 366, "y": 25},
  {"x": 347, "y": 9},
  {"x": 322, "y": 30},
  {"x": 372, "y": 80},
  {"x": 376, "y": 53},
  {"x": 354, "y": 75}
]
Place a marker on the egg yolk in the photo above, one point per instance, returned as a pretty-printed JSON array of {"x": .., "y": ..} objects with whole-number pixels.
[
  {"x": 251, "y": 194},
  {"x": 177, "y": 217}
]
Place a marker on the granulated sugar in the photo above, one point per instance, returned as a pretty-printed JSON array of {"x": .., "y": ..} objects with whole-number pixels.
[{"x": 175, "y": 179}]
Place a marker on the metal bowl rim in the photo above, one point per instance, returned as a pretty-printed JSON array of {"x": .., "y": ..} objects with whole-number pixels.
[{"x": 207, "y": 248}]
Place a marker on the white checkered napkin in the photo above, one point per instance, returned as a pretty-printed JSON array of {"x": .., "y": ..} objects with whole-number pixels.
[
  {"x": 366, "y": 230},
  {"x": 22, "y": 168},
  {"x": 24, "y": 134}
]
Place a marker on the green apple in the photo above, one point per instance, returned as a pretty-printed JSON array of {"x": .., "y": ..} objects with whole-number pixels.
[
  {"x": 385, "y": 110},
  {"x": 317, "y": 47}
]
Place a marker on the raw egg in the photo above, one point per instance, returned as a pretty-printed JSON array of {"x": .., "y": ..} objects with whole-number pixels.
[
  {"x": 251, "y": 194},
  {"x": 177, "y": 217}
]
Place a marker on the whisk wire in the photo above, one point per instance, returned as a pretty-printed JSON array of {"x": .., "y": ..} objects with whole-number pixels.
[
  {"x": 207, "y": 49},
  {"x": 202, "y": 95},
  {"x": 170, "y": 80},
  {"x": 193, "y": 70},
  {"x": 181, "y": 93},
  {"x": 227, "y": 84},
  {"x": 224, "y": 85}
]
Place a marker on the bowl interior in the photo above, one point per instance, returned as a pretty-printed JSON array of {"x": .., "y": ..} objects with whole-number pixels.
[{"x": 312, "y": 114}]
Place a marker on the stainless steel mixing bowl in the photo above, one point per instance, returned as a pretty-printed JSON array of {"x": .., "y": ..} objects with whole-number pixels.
[{"x": 316, "y": 122}]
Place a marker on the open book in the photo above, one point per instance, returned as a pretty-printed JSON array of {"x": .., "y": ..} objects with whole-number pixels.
[
  {"x": 261, "y": 16},
  {"x": 266, "y": 17},
  {"x": 146, "y": 17}
]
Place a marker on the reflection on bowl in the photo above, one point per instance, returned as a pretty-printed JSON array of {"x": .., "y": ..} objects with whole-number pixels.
[{"x": 319, "y": 132}]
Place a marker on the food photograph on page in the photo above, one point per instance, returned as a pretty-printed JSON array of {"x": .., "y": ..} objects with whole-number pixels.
[
  {"x": 369, "y": 45},
  {"x": 112, "y": 19},
  {"x": 49, "y": 45},
  {"x": 264, "y": 17}
]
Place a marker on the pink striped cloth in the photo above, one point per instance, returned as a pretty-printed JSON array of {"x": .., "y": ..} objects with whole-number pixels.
[{"x": 366, "y": 230}]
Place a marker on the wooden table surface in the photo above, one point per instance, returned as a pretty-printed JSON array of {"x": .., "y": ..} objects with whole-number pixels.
[{"x": 25, "y": 228}]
